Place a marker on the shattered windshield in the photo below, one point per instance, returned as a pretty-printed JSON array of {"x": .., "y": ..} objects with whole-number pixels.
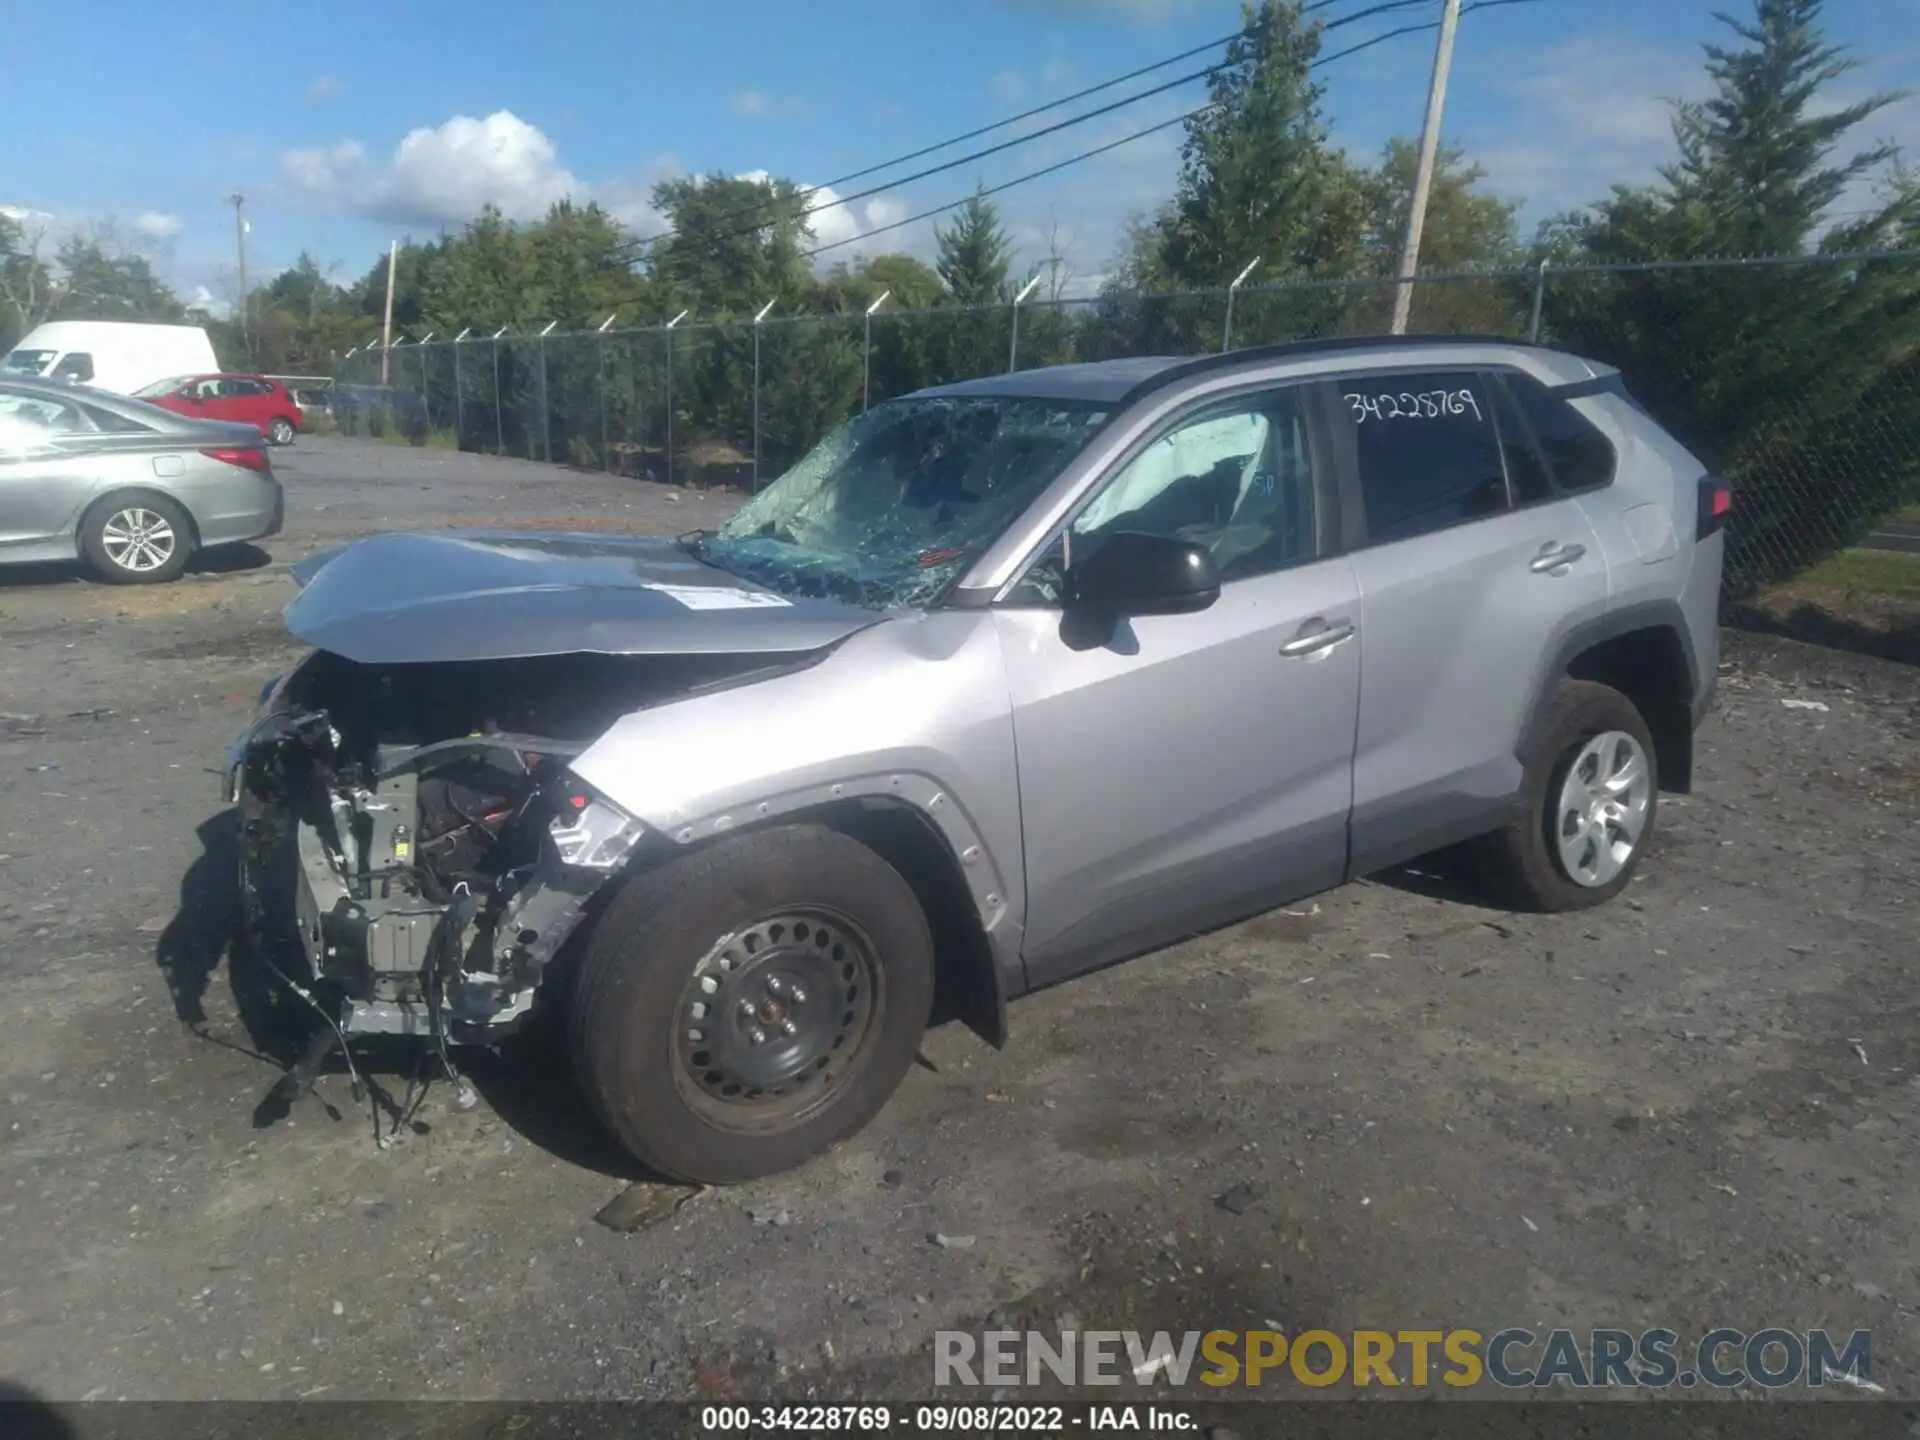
[{"x": 891, "y": 506}]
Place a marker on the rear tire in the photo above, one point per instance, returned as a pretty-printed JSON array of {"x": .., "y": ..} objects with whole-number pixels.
[
  {"x": 137, "y": 539},
  {"x": 1591, "y": 792},
  {"x": 280, "y": 432},
  {"x": 741, "y": 1009}
]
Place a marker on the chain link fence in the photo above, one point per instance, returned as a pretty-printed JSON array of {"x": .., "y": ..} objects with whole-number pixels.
[{"x": 1798, "y": 379}]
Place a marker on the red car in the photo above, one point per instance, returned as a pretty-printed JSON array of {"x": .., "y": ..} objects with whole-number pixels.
[{"x": 253, "y": 399}]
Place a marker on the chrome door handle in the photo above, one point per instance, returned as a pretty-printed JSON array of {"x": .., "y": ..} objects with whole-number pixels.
[
  {"x": 1312, "y": 641},
  {"x": 1555, "y": 556}
]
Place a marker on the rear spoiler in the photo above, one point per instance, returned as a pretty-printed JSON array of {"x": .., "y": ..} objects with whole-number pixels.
[{"x": 1605, "y": 380}]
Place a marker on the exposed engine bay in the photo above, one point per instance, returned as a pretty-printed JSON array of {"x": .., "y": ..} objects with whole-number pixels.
[{"x": 445, "y": 851}]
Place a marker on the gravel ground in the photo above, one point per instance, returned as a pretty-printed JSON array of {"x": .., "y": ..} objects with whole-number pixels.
[{"x": 1696, "y": 1107}]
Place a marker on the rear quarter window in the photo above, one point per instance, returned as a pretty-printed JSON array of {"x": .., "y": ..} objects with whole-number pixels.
[
  {"x": 1580, "y": 456},
  {"x": 112, "y": 423}
]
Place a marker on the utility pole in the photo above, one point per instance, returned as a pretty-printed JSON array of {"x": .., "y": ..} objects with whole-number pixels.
[
  {"x": 386, "y": 327},
  {"x": 239, "y": 202},
  {"x": 1423, "y": 177}
]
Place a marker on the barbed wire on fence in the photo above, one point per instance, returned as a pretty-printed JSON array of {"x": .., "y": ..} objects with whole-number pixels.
[{"x": 1820, "y": 442}]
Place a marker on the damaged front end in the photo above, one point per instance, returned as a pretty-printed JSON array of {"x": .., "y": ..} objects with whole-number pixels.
[{"x": 445, "y": 852}]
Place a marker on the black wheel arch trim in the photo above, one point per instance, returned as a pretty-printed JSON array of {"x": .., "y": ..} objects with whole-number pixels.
[{"x": 1664, "y": 615}]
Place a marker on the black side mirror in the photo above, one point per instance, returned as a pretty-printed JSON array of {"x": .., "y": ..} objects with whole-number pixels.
[{"x": 1136, "y": 574}]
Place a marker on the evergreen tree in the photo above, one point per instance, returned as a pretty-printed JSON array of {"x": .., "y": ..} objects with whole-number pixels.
[
  {"x": 1258, "y": 176},
  {"x": 975, "y": 256},
  {"x": 1794, "y": 381}
]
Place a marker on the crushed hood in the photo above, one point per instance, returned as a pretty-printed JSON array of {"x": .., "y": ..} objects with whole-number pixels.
[{"x": 408, "y": 599}]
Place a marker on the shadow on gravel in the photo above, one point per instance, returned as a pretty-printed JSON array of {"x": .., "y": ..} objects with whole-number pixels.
[
  {"x": 25, "y": 1416},
  {"x": 527, "y": 1082},
  {"x": 205, "y": 930},
  {"x": 225, "y": 560},
  {"x": 229, "y": 560},
  {"x": 1452, "y": 875},
  {"x": 529, "y": 1085},
  {"x": 1899, "y": 643}
]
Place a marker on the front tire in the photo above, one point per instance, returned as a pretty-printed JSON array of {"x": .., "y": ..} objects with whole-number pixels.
[
  {"x": 1591, "y": 792},
  {"x": 280, "y": 432},
  {"x": 137, "y": 539},
  {"x": 739, "y": 1010}
]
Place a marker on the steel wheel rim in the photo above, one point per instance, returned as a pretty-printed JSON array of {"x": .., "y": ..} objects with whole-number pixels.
[
  {"x": 138, "y": 539},
  {"x": 808, "y": 984},
  {"x": 1601, "y": 814}
]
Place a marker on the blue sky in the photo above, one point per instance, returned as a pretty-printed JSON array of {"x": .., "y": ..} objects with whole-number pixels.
[{"x": 350, "y": 122}]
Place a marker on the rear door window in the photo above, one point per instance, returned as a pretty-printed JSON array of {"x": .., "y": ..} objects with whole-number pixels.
[
  {"x": 1529, "y": 481},
  {"x": 1427, "y": 448},
  {"x": 1582, "y": 458}
]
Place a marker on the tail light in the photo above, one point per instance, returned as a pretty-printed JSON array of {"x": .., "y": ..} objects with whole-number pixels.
[
  {"x": 245, "y": 458},
  {"x": 1716, "y": 504}
]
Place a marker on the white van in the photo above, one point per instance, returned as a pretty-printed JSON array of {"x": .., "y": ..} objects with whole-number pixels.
[{"x": 119, "y": 355}]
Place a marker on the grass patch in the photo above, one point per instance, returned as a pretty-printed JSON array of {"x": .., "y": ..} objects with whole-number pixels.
[
  {"x": 1908, "y": 514},
  {"x": 1887, "y": 574},
  {"x": 1867, "y": 601},
  {"x": 433, "y": 440}
]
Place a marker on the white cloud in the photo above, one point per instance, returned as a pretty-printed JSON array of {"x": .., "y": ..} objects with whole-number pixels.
[
  {"x": 833, "y": 221},
  {"x": 837, "y": 221},
  {"x": 157, "y": 224},
  {"x": 1576, "y": 119},
  {"x": 442, "y": 174},
  {"x": 1581, "y": 117},
  {"x": 749, "y": 102},
  {"x": 205, "y": 300},
  {"x": 324, "y": 88}
]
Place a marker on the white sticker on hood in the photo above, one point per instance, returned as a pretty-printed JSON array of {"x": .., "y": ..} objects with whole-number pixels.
[{"x": 721, "y": 597}]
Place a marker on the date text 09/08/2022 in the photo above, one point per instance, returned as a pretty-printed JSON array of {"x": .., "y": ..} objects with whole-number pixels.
[{"x": 941, "y": 1419}]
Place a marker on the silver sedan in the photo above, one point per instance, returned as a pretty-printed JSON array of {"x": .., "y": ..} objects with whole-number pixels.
[{"x": 131, "y": 489}]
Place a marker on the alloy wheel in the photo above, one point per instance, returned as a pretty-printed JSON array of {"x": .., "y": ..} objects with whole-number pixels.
[
  {"x": 138, "y": 540},
  {"x": 1603, "y": 807}
]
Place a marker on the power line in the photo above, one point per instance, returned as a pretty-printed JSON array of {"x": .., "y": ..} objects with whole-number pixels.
[
  {"x": 1063, "y": 100},
  {"x": 1369, "y": 11},
  {"x": 761, "y": 206},
  {"x": 1142, "y": 134}
]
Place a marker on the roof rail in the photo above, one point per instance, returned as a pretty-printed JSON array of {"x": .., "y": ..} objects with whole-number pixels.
[{"x": 1296, "y": 349}]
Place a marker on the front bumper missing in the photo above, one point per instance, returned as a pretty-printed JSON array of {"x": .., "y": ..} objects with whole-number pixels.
[
  {"x": 380, "y": 956},
  {"x": 389, "y": 953}
]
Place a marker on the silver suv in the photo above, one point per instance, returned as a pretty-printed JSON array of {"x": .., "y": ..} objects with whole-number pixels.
[{"x": 1004, "y": 681}]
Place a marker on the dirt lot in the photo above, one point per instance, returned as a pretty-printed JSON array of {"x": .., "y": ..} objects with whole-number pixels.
[{"x": 1697, "y": 1107}]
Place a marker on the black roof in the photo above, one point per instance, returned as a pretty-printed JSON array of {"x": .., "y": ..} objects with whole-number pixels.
[
  {"x": 1113, "y": 382},
  {"x": 1100, "y": 381}
]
